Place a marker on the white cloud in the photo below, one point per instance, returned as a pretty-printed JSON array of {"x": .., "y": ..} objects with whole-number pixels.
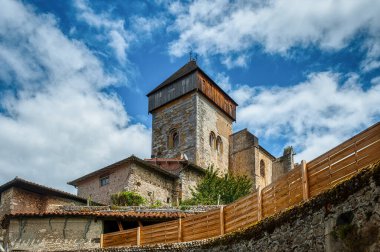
[
  {"x": 225, "y": 28},
  {"x": 56, "y": 122},
  {"x": 118, "y": 37},
  {"x": 313, "y": 116}
]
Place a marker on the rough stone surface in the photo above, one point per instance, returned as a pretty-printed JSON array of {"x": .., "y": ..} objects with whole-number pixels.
[
  {"x": 130, "y": 177},
  {"x": 42, "y": 234}
]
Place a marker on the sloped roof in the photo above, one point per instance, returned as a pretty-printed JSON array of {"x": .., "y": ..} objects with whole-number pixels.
[
  {"x": 40, "y": 189},
  {"x": 185, "y": 70},
  {"x": 174, "y": 165},
  {"x": 188, "y": 68},
  {"x": 121, "y": 162}
]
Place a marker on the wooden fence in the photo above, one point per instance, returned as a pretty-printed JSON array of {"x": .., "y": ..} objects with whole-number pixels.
[{"x": 303, "y": 182}]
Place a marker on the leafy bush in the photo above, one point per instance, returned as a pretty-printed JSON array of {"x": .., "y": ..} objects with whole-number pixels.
[
  {"x": 127, "y": 199},
  {"x": 213, "y": 189}
]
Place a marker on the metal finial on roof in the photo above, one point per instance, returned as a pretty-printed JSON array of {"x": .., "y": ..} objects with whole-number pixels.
[{"x": 192, "y": 56}]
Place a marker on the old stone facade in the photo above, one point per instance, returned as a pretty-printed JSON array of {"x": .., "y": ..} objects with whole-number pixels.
[
  {"x": 167, "y": 181},
  {"x": 192, "y": 121},
  {"x": 55, "y": 233},
  {"x": 20, "y": 195}
]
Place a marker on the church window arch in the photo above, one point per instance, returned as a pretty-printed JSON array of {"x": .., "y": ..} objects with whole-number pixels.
[
  {"x": 219, "y": 145},
  {"x": 262, "y": 168},
  {"x": 212, "y": 140},
  {"x": 173, "y": 140}
]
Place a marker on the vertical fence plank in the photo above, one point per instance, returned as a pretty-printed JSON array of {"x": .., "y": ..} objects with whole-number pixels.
[
  {"x": 305, "y": 182},
  {"x": 101, "y": 241},
  {"x": 222, "y": 220},
  {"x": 179, "y": 229},
  {"x": 138, "y": 231},
  {"x": 259, "y": 205}
]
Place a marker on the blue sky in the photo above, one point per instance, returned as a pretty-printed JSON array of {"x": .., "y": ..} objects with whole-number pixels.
[{"x": 74, "y": 75}]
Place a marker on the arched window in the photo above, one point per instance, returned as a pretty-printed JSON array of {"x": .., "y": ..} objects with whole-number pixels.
[
  {"x": 219, "y": 145},
  {"x": 262, "y": 168},
  {"x": 212, "y": 140},
  {"x": 173, "y": 141}
]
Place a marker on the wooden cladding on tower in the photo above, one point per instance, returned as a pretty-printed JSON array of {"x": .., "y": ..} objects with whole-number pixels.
[{"x": 214, "y": 93}]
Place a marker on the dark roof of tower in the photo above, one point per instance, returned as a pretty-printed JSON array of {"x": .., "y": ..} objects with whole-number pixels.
[
  {"x": 188, "y": 68},
  {"x": 185, "y": 70}
]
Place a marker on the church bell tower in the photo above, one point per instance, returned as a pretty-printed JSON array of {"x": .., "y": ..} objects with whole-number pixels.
[{"x": 192, "y": 117}]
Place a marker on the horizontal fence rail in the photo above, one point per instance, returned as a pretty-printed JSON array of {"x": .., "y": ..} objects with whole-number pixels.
[{"x": 303, "y": 182}]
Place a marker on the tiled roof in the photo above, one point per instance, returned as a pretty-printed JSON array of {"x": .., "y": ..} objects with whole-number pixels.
[
  {"x": 121, "y": 162},
  {"x": 40, "y": 189},
  {"x": 140, "y": 215}
]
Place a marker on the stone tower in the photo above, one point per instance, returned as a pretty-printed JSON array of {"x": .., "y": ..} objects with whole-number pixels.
[{"x": 192, "y": 117}]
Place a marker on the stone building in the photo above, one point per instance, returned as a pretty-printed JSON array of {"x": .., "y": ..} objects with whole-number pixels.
[
  {"x": 166, "y": 180},
  {"x": 192, "y": 121}
]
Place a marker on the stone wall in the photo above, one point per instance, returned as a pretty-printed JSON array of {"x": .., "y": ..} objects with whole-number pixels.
[
  {"x": 189, "y": 179},
  {"x": 262, "y": 181},
  {"x": 118, "y": 180},
  {"x": 180, "y": 115},
  {"x": 243, "y": 146},
  {"x": 152, "y": 185},
  {"x": 129, "y": 177},
  {"x": 42, "y": 234},
  {"x": 344, "y": 218},
  {"x": 16, "y": 200},
  {"x": 283, "y": 164},
  {"x": 211, "y": 119}
]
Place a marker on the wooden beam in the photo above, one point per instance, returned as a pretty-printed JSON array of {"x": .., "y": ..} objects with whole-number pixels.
[
  {"x": 222, "y": 220},
  {"x": 140, "y": 223},
  {"x": 305, "y": 181},
  {"x": 179, "y": 229},
  {"x": 101, "y": 241},
  {"x": 259, "y": 205},
  {"x": 120, "y": 226},
  {"x": 138, "y": 236}
]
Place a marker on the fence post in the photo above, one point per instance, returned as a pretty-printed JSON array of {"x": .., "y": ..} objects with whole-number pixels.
[
  {"x": 259, "y": 205},
  {"x": 222, "y": 220},
  {"x": 179, "y": 229},
  {"x": 101, "y": 240},
  {"x": 305, "y": 181},
  {"x": 138, "y": 236}
]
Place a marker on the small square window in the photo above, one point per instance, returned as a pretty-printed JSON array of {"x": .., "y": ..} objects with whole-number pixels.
[{"x": 104, "y": 180}]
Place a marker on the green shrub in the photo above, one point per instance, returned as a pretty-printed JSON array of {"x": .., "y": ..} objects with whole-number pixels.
[
  {"x": 127, "y": 199},
  {"x": 156, "y": 204},
  {"x": 213, "y": 189}
]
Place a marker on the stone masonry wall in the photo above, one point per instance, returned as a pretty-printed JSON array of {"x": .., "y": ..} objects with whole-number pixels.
[
  {"x": 344, "y": 218},
  {"x": 118, "y": 180},
  {"x": 267, "y": 179},
  {"x": 42, "y": 234},
  {"x": 189, "y": 179},
  {"x": 210, "y": 118},
  {"x": 16, "y": 200},
  {"x": 152, "y": 185},
  {"x": 129, "y": 177},
  {"x": 243, "y": 147},
  {"x": 180, "y": 115}
]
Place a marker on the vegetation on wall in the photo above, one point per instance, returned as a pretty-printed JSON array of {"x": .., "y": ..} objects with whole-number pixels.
[
  {"x": 127, "y": 199},
  {"x": 213, "y": 190}
]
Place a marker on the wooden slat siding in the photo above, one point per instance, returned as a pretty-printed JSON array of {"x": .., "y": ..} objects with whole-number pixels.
[
  {"x": 166, "y": 232},
  {"x": 214, "y": 94},
  {"x": 172, "y": 91},
  {"x": 344, "y": 160},
  {"x": 121, "y": 238},
  {"x": 201, "y": 226}
]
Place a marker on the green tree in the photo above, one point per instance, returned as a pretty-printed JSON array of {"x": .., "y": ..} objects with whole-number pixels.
[
  {"x": 213, "y": 189},
  {"x": 127, "y": 199}
]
